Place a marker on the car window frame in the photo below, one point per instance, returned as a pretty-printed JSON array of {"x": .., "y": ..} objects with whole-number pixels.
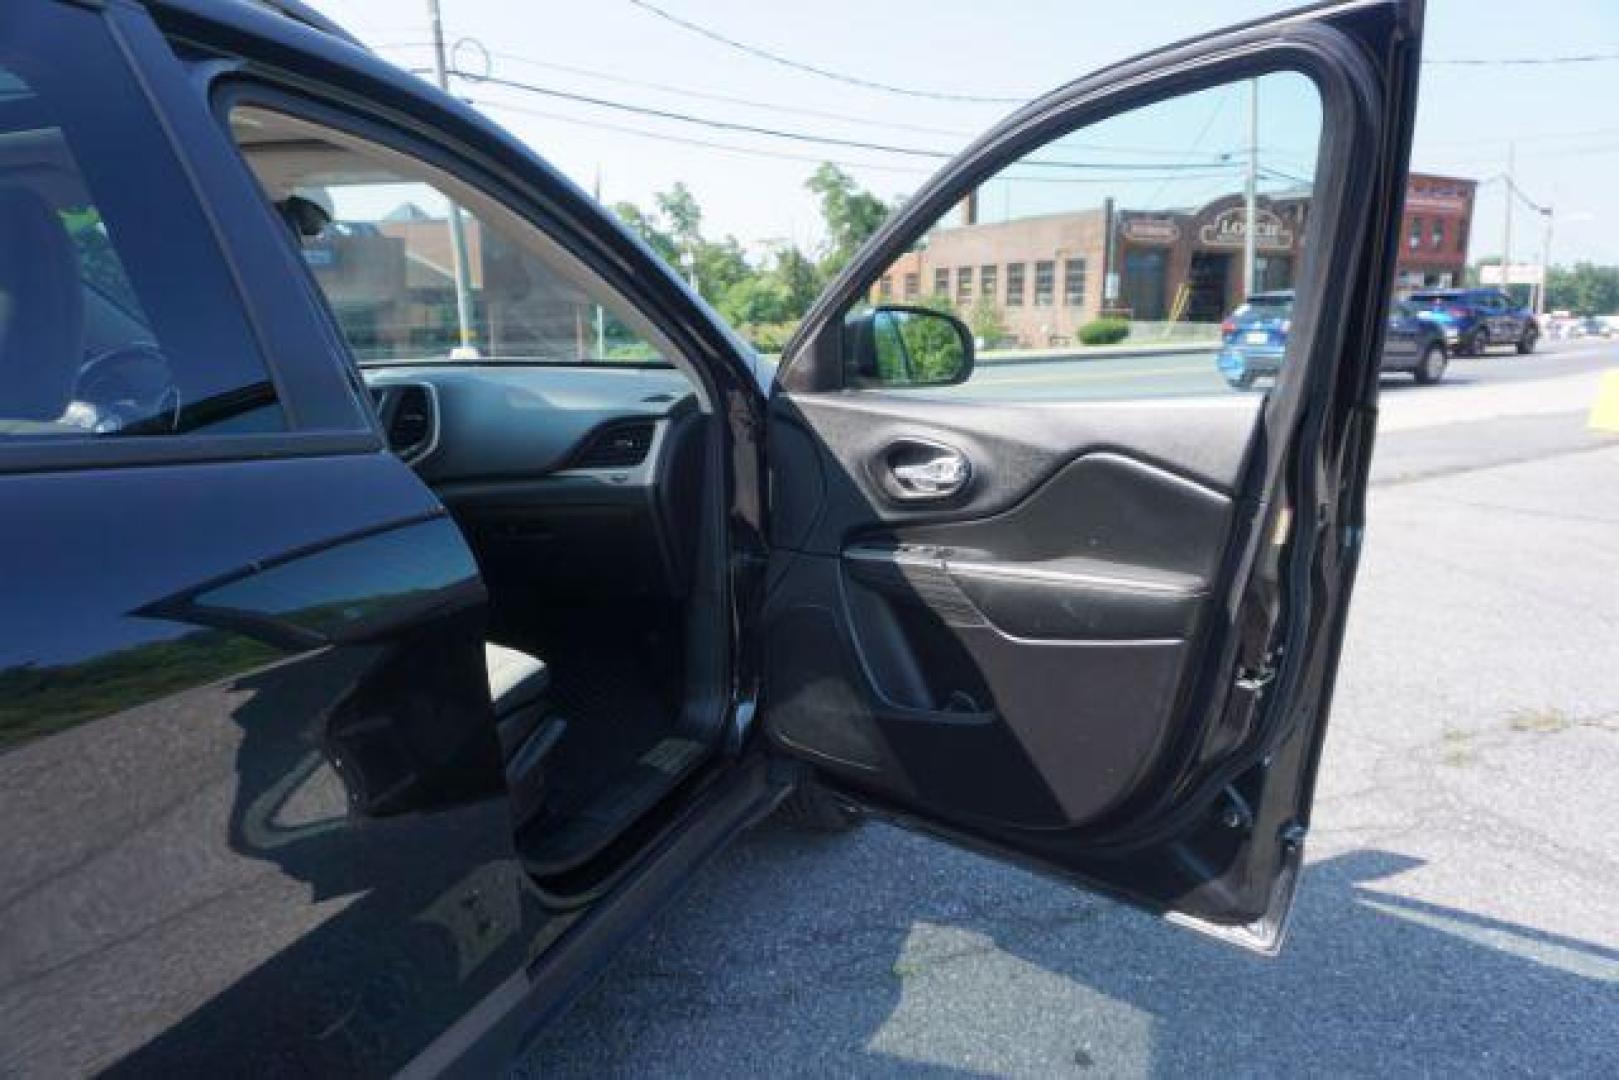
[
  {"x": 245, "y": 85},
  {"x": 153, "y": 70},
  {"x": 810, "y": 360}
]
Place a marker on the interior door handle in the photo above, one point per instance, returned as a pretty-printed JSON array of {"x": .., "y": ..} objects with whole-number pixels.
[{"x": 944, "y": 473}]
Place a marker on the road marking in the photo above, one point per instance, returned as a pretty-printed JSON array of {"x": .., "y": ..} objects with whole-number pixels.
[{"x": 1605, "y": 410}]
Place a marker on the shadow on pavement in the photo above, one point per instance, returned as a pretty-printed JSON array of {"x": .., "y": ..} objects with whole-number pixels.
[{"x": 879, "y": 952}]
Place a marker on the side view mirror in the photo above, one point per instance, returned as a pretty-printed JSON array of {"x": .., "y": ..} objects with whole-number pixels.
[{"x": 900, "y": 346}]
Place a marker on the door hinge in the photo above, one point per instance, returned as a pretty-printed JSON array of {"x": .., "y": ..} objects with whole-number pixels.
[{"x": 1254, "y": 680}]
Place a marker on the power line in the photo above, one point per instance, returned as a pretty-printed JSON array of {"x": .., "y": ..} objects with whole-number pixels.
[
  {"x": 799, "y": 136},
  {"x": 1516, "y": 61},
  {"x": 816, "y": 158},
  {"x": 837, "y": 76},
  {"x": 705, "y": 95}
]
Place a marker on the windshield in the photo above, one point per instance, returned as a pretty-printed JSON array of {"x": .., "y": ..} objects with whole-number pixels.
[{"x": 1259, "y": 308}]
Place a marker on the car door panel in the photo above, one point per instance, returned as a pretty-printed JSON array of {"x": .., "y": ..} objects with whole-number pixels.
[
  {"x": 249, "y": 775},
  {"x": 1067, "y": 571},
  {"x": 1108, "y": 648}
]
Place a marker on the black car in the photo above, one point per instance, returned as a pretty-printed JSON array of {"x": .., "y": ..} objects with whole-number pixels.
[
  {"x": 1472, "y": 320},
  {"x": 1253, "y": 341},
  {"x": 408, "y": 582}
]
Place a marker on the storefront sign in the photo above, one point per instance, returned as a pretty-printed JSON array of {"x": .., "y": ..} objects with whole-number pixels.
[
  {"x": 1230, "y": 227},
  {"x": 1150, "y": 230},
  {"x": 1435, "y": 202}
]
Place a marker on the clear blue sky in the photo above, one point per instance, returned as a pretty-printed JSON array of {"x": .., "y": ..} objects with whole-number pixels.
[{"x": 1562, "y": 117}]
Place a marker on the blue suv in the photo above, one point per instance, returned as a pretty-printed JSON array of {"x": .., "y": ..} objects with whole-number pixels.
[
  {"x": 1254, "y": 337},
  {"x": 1474, "y": 319}
]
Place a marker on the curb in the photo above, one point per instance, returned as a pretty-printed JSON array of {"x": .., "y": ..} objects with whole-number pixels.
[{"x": 1094, "y": 352}]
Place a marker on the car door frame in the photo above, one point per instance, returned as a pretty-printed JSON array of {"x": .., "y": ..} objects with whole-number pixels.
[{"x": 1315, "y": 431}]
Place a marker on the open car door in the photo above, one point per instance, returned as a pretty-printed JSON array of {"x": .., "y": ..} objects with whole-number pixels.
[{"x": 1083, "y": 608}]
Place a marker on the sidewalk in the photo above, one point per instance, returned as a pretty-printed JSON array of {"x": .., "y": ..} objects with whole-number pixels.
[{"x": 1070, "y": 353}]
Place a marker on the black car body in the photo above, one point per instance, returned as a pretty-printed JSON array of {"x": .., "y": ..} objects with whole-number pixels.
[
  {"x": 351, "y": 713},
  {"x": 1472, "y": 320}
]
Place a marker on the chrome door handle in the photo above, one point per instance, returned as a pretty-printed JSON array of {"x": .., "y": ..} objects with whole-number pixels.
[{"x": 943, "y": 474}]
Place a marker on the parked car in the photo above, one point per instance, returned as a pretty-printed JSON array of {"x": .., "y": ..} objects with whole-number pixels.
[
  {"x": 1253, "y": 340},
  {"x": 1475, "y": 319},
  {"x": 396, "y": 617}
]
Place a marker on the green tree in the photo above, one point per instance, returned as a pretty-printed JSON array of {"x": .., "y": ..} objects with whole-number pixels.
[
  {"x": 849, "y": 213},
  {"x": 648, "y": 229},
  {"x": 678, "y": 211},
  {"x": 1584, "y": 289},
  {"x": 984, "y": 318}
]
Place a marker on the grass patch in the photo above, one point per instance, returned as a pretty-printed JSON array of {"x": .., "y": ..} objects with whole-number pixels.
[{"x": 1540, "y": 721}]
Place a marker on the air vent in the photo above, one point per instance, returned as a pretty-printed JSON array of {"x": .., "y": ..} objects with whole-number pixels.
[
  {"x": 409, "y": 414},
  {"x": 617, "y": 446}
]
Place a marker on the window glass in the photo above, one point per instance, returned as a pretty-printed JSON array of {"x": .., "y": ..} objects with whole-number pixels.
[
  {"x": 117, "y": 318},
  {"x": 1122, "y": 251},
  {"x": 964, "y": 285},
  {"x": 1014, "y": 285},
  {"x": 411, "y": 274},
  {"x": 913, "y": 286},
  {"x": 941, "y": 281},
  {"x": 1073, "y": 282}
]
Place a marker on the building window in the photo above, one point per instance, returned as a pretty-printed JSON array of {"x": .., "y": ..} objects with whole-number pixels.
[
  {"x": 1045, "y": 282},
  {"x": 885, "y": 287},
  {"x": 913, "y": 286},
  {"x": 1014, "y": 284},
  {"x": 1073, "y": 282},
  {"x": 964, "y": 286},
  {"x": 1461, "y": 235},
  {"x": 941, "y": 282},
  {"x": 988, "y": 282},
  {"x": 1437, "y": 239},
  {"x": 1414, "y": 236}
]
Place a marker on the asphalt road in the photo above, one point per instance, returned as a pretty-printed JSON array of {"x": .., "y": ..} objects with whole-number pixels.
[{"x": 1460, "y": 912}]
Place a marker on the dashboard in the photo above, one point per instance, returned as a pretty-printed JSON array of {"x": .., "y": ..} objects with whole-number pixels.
[{"x": 571, "y": 480}]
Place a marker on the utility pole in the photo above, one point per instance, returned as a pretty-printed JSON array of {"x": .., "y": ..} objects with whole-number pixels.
[
  {"x": 1545, "y": 261},
  {"x": 1250, "y": 234},
  {"x": 458, "y": 237},
  {"x": 601, "y": 321},
  {"x": 1506, "y": 232}
]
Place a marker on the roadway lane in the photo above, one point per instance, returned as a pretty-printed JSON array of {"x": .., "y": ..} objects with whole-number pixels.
[{"x": 1194, "y": 374}]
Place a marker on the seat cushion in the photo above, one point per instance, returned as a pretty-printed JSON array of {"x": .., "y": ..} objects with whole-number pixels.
[{"x": 516, "y": 679}]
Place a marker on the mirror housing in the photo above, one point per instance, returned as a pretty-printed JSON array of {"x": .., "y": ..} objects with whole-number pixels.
[{"x": 898, "y": 346}]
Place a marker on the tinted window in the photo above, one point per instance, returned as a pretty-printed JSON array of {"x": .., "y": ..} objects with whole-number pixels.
[
  {"x": 116, "y": 313},
  {"x": 412, "y": 273}
]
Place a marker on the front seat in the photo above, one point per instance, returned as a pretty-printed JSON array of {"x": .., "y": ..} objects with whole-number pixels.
[
  {"x": 517, "y": 683},
  {"x": 528, "y": 733},
  {"x": 41, "y": 308}
]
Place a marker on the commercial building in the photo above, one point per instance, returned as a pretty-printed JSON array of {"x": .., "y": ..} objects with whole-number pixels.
[
  {"x": 1433, "y": 236},
  {"x": 1045, "y": 276}
]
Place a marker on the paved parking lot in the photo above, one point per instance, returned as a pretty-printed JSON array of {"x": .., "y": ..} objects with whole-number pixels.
[{"x": 1461, "y": 909}]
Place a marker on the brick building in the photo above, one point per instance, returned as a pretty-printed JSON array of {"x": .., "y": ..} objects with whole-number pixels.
[
  {"x": 1047, "y": 275},
  {"x": 1433, "y": 235}
]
